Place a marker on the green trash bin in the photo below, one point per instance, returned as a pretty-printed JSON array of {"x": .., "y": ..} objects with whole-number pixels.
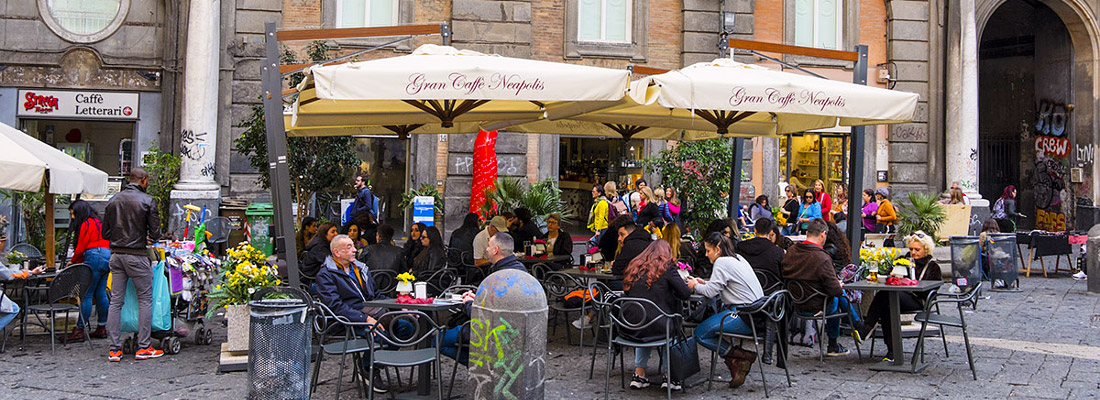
[{"x": 258, "y": 219}]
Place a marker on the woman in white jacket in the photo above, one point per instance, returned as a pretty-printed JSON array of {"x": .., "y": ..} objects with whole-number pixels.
[{"x": 734, "y": 281}]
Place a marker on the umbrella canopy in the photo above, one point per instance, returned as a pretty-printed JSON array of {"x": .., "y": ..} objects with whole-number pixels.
[
  {"x": 24, "y": 161},
  {"x": 440, "y": 89},
  {"x": 725, "y": 96}
]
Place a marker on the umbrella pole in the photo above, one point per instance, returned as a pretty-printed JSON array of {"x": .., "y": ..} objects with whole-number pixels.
[
  {"x": 50, "y": 236},
  {"x": 735, "y": 177},
  {"x": 855, "y": 173}
]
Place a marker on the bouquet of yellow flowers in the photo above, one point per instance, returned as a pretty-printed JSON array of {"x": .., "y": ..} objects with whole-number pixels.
[
  {"x": 243, "y": 272},
  {"x": 880, "y": 259}
]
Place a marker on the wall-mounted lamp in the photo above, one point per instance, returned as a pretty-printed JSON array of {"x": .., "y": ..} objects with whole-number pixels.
[{"x": 728, "y": 20}]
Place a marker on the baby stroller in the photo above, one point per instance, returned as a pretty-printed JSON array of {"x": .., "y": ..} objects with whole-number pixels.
[
  {"x": 191, "y": 277},
  {"x": 166, "y": 309}
]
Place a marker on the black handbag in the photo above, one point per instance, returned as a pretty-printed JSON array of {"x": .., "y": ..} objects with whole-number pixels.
[{"x": 683, "y": 358}]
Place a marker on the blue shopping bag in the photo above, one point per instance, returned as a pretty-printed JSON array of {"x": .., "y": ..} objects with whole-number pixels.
[{"x": 162, "y": 314}]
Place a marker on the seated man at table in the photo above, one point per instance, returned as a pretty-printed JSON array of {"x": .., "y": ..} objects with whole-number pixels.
[
  {"x": 345, "y": 285},
  {"x": 499, "y": 251},
  {"x": 383, "y": 255},
  {"x": 807, "y": 262},
  {"x": 481, "y": 241}
]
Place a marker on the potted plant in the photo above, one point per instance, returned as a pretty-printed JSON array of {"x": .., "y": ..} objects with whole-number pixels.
[
  {"x": 405, "y": 286},
  {"x": 922, "y": 213},
  {"x": 15, "y": 258},
  {"x": 242, "y": 273}
]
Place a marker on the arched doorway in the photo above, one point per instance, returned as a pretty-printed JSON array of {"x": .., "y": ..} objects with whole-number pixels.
[{"x": 1031, "y": 77}]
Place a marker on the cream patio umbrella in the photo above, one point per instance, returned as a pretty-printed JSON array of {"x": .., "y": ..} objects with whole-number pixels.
[
  {"x": 26, "y": 164},
  {"x": 440, "y": 89}
]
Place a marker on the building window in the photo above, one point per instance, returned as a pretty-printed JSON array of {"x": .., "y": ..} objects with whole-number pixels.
[
  {"x": 819, "y": 23},
  {"x": 83, "y": 21},
  {"x": 604, "y": 20},
  {"x": 606, "y": 29},
  {"x": 363, "y": 13}
]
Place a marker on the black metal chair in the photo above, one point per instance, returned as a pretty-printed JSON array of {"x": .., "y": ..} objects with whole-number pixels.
[
  {"x": 771, "y": 311},
  {"x": 463, "y": 261},
  {"x": 64, "y": 295},
  {"x": 540, "y": 270},
  {"x": 557, "y": 286},
  {"x": 446, "y": 295},
  {"x": 929, "y": 317},
  {"x": 802, "y": 293},
  {"x": 769, "y": 281},
  {"x": 935, "y": 331},
  {"x": 601, "y": 302},
  {"x": 385, "y": 281},
  {"x": 28, "y": 250},
  {"x": 618, "y": 312},
  {"x": 384, "y": 339},
  {"x": 441, "y": 280},
  {"x": 326, "y": 323}
]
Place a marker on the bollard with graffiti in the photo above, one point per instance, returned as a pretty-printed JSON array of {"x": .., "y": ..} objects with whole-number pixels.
[{"x": 508, "y": 338}]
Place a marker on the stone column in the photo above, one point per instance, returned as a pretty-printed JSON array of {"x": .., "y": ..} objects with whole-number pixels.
[
  {"x": 199, "y": 127},
  {"x": 508, "y": 338},
  {"x": 962, "y": 100}
]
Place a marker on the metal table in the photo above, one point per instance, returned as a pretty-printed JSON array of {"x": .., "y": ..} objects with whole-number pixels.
[
  {"x": 549, "y": 260},
  {"x": 586, "y": 275},
  {"x": 898, "y": 365},
  {"x": 424, "y": 382}
]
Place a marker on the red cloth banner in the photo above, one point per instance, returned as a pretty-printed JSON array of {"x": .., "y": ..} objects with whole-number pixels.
[{"x": 484, "y": 169}]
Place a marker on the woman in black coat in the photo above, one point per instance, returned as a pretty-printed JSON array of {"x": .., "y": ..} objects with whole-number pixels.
[
  {"x": 558, "y": 241},
  {"x": 653, "y": 275},
  {"x": 433, "y": 258},
  {"x": 318, "y": 249},
  {"x": 463, "y": 237},
  {"x": 650, "y": 212},
  {"x": 413, "y": 246}
]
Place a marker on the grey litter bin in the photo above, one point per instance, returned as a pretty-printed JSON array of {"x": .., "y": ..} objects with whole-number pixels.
[
  {"x": 1002, "y": 254},
  {"x": 278, "y": 350},
  {"x": 966, "y": 261}
]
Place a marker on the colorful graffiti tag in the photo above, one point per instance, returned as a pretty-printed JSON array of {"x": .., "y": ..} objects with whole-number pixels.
[{"x": 1049, "y": 178}]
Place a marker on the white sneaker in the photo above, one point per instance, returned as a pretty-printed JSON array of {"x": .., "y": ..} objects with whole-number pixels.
[
  {"x": 998, "y": 283},
  {"x": 582, "y": 322},
  {"x": 1080, "y": 275}
]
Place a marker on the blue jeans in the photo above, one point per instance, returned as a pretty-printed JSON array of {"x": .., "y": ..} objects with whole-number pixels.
[
  {"x": 641, "y": 357},
  {"x": 839, "y": 304},
  {"x": 707, "y": 331},
  {"x": 450, "y": 346},
  {"x": 99, "y": 260},
  {"x": 5, "y": 318}
]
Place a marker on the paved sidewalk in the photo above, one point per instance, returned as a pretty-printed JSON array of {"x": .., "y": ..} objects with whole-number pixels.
[{"x": 1040, "y": 342}]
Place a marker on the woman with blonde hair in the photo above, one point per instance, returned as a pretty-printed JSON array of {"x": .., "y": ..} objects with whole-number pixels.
[
  {"x": 680, "y": 249},
  {"x": 617, "y": 206},
  {"x": 822, "y": 196}
]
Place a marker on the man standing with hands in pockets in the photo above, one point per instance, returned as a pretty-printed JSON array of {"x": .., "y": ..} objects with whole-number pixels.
[{"x": 130, "y": 223}]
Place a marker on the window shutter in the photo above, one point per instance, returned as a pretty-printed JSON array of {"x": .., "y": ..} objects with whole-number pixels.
[
  {"x": 617, "y": 23},
  {"x": 382, "y": 12},
  {"x": 804, "y": 23},
  {"x": 828, "y": 24},
  {"x": 353, "y": 13},
  {"x": 589, "y": 16}
]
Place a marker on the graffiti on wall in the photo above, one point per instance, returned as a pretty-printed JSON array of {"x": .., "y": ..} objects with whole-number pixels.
[{"x": 1049, "y": 178}]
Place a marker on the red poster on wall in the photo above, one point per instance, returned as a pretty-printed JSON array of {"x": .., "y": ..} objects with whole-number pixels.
[{"x": 484, "y": 169}]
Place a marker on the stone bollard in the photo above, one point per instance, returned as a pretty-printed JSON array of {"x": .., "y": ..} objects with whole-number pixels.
[
  {"x": 1093, "y": 259},
  {"x": 508, "y": 337}
]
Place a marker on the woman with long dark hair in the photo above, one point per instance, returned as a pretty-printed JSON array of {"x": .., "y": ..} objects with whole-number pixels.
[
  {"x": 463, "y": 237},
  {"x": 95, "y": 251},
  {"x": 1004, "y": 210},
  {"x": 869, "y": 211},
  {"x": 838, "y": 247},
  {"x": 809, "y": 211},
  {"x": 305, "y": 234},
  {"x": 352, "y": 230},
  {"x": 653, "y": 275},
  {"x": 318, "y": 249},
  {"x": 433, "y": 257},
  {"x": 790, "y": 210},
  {"x": 413, "y": 247},
  {"x": 734, "y": 282}
]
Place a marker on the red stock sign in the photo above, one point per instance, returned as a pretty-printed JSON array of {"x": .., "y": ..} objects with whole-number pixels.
[{"x": 41, "y": 104}]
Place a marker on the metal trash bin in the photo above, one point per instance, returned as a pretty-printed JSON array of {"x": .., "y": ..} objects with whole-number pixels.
[
  {"x": 966, "y": 261},
  {"x": 1002, "y": 254},
  {"x": 278, "y": 350}
]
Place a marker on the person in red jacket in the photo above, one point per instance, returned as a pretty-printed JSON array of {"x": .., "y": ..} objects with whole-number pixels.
[{"x": 95, "y": 251}]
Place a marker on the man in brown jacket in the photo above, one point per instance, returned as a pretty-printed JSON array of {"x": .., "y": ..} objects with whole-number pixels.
[{"x": 807, "y": 262}]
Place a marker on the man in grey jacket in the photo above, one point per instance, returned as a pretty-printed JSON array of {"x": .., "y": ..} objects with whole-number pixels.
[{"x": 130, "y": 223}]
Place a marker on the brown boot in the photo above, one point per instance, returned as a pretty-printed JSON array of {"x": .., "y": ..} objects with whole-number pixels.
[
  {"x": 77, "y": 335},
  {"x": 99, "y": 333},
  {"x": 745, "y": 359},
  {"x": 734, "y": 365}
]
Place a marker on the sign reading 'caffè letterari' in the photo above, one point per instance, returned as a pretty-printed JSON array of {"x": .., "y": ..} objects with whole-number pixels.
[{"x": 81, "y": 105}]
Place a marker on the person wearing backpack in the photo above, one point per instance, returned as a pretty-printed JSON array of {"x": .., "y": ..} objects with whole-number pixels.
[
  {"x": 1004, "y": 210},
  {"x": 617, "y": 206},
  {"x": 597, "y": 216}
]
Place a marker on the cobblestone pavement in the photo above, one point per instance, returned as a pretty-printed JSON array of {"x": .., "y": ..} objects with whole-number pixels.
[{"x": 1040, "y": 342}]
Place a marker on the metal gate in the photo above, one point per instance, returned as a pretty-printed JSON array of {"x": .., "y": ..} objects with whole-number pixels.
[{"x": 998, "y": 164}]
